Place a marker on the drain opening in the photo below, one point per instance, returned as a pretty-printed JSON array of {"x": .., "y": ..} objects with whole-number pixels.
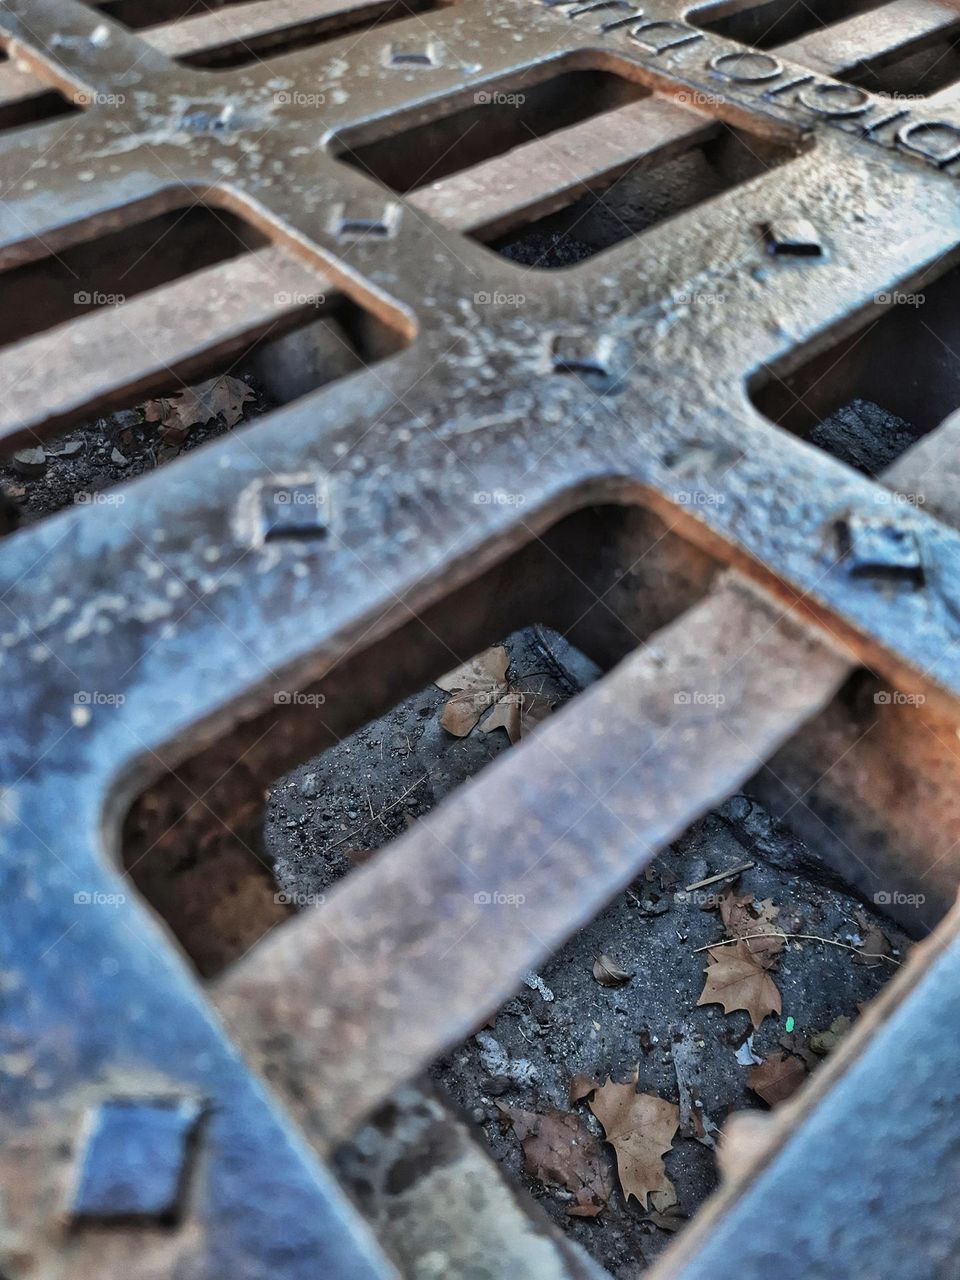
[
  {"x": 921, "y": 67},
  {"x": 765, "y": 26},
  {"x": 238, "y": 33},
  {"x": 197, "y": 321},
  {"x": 109, "y": 269},
  {"x": 645, "y": 196},
  {"x": 869, "y": 396},
  {"x": 207, "y": 867},
  {"x": 447, "y": 165},
  {"x": 495, "y": 119},
  {"x": 300, "y": 354}
]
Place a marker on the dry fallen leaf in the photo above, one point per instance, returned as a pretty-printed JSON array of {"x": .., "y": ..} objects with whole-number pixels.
[
  {"x": 480, "y": 686},
  {"x": 193, "y": 406},
  {"x": 558, "y": 1149},
  {"x": 741, "y": 920},
  {"x": 640, "y": 1128},
  {"x": 507, "y": 714},
  {"x": 736, "y": 979},
  {"x": 476, "y": 686},
  {"x": 778, "y": 1077},
  {"x": 608, "y": 973}
]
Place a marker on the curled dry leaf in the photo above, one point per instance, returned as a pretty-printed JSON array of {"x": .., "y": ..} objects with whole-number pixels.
[
  {"x": 559, "y": 1150},
  {"x": 608, "y": 973},
  {"x": 507, "y": 714},
  {"x": 476, "y": 686},
  {"x": 776, "y": 1078},
  {"x": 640, "y": 1128},
  {"x": 480, "y": 686},
  {"x": 222, "y": 397},
  {"x": 736, "y": 979}
]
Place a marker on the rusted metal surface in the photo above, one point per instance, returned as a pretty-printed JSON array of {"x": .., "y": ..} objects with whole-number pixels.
[{"x": 136, "y": 634}]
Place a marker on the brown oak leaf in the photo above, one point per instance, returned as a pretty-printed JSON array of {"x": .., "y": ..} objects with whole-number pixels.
[
  {"x": 476, "y": 686},
  {"x": 222, "y": 397},
  {"x": 776, "y": 1078},
  {"x": 640, "y": 1128},
  {"x": 736, "y": 979},
  {"x": 742, "y": 920},
  {"x": 559, "y": 1150},
  {"x": 480, "y": 686}
]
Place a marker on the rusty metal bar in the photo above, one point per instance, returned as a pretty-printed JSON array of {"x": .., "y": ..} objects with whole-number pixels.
[{"x": 896, "y": 28}]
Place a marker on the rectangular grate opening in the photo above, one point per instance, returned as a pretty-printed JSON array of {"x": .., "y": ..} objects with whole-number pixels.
[
  {"x": 648, "y": 194},
  {"x": 225, "y": 871},
  {"x": 109, "y": 269},
  {"x": 304, "y": 349},
  {"x": 33, "y": 102},
  {"x": 491, "y": 167},
  {"x": 777, "y": 22},
  {"x": 496, "y": 119},
  {"x": 869, "y": 395},
  {"x": 237, "y": 33}
]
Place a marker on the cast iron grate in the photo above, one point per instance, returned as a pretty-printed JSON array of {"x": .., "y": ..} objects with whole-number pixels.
[{"x": 735, "y": 222}]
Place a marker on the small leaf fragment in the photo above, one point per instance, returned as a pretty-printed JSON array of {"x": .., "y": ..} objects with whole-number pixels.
[{"x": 824, "y": 1042}]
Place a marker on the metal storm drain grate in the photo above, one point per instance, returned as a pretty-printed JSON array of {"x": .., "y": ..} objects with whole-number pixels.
[{"x": 630, "y": 321}]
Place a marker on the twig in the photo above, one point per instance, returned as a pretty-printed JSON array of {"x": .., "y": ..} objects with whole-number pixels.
[
  {"x": 802, "y": 937},
  {"x": 721, "y": 875},
  {"x": 359, "y": 830}
]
